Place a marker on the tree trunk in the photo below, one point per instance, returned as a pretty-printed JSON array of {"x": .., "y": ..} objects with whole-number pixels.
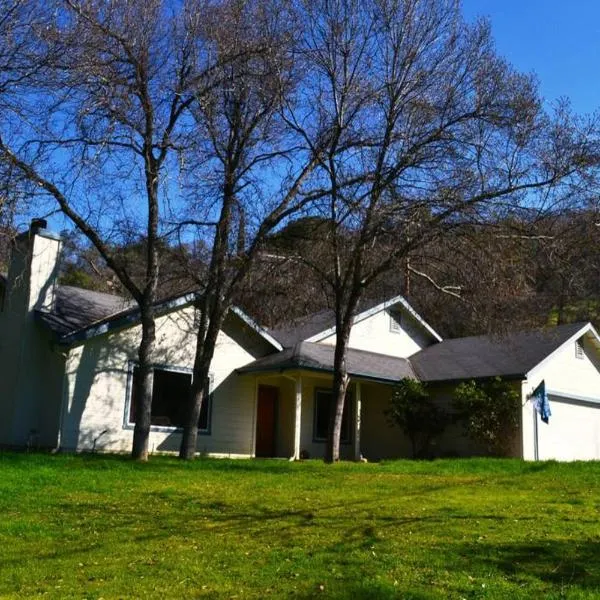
[
  {"x": 205, "y": 350},
  {"x": 340, "y": 387},
  {"x": 143, "y": 409},
  {"x": 189, "y": 440}
]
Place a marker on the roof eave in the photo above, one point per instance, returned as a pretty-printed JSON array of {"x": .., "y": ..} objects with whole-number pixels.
[
  {"x": 304, "y": 367},
  {"x": 455, "y": 380},
  {"x": 378, "y": 308},
  {"x": 121, "y": 320},
  {"x": 587, "y": 328},
  {"x": 131, "y": 317}
]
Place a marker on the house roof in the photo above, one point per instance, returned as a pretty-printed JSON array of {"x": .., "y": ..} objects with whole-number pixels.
[
  {"x": 303, "y": 328},
  {"x": 80, "y": 314},
  {"x": 76, "y": 308},
  {"x": 508, "y": 355},
  {"x": 319, "y": 325},
  {"x": 319, "y": 357}
]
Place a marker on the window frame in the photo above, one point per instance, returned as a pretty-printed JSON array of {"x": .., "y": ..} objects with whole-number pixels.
[
  {"x": 127, "y": 424},
  {"x": 349, "y": 406}
]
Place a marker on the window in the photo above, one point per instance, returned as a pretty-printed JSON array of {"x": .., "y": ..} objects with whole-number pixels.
[
  {"x": 395, "y": 321},
  {"x": 170, "y": 393},
  {"x": 579, "y": 352},
  {"x": 323, "y": 400}
]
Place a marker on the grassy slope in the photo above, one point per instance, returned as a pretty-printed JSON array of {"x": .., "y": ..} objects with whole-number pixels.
[{"x": 92, "y": 527}]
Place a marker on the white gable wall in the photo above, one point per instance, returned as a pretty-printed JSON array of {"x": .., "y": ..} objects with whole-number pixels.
[
  {"x": 573, "y": 431},
  {"x": 98, "y": 377},
  {"x": 374, "y": 334}
]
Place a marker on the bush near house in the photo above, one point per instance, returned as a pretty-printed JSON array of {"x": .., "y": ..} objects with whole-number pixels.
[
  {"x": 412, "y": 409},
  {"x": 490, "y": 411},
  {"x": 106, "y": 527}
]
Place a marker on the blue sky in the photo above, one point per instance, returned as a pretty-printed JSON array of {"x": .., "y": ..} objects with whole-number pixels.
[{"x": 559, "y": 40}]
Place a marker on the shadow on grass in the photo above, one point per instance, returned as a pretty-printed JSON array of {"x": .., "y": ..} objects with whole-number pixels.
[
  {"x": 366, "y": 590},
  {"x": 559, "y": 563},
  {"x": 348, "y": 542}
]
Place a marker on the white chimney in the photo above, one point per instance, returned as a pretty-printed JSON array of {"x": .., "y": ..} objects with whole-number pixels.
[{"x": 33, "y": 269}]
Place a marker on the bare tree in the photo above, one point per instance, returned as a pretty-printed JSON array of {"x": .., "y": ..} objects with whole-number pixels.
[
  {"x": 94, "y": 128},
  {"x": 427, "y": 129},
  {"x": 248, "y": 169}
]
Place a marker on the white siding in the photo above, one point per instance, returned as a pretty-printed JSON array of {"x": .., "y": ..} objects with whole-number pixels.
[
  {"x": 573, "y": 431},
  {"x": 378, "y": 439},
  {"x": 374, "y": 334},
  {"x": 97, "y": 381},
  {"x": 31, "y": 373}
]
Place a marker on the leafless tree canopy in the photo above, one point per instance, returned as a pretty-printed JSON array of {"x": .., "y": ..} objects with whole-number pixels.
[
  {"x": 212, "y": 123},
  {"x": 421, "y": 128}
]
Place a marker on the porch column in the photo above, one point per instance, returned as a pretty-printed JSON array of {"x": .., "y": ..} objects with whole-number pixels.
[
  {"x": 298, "y": 418},
  {"x": 357, "y": 409}
]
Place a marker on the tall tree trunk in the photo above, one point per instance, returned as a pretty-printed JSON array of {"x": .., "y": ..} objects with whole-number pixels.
[
  {"x": 205, "y": 349},
  {"x": 143, "y": 409},
  {"x": 340, "y": 387},
  {"x": 189, "y": 439}
]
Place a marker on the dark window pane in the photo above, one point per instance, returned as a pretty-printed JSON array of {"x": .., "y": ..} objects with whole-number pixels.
[
  {"x": 170, "y": 394},
  {"x": 323, "y": 400},
  {"x": 204, "y": 420}
]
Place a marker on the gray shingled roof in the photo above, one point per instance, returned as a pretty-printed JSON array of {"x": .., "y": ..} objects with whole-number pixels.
[
  {"x": 76, "y": 308},
  {"x": 510, "y": 355},
  {"x": 319, "y": 357},
  {"x": 306, "y": 327},
  {"x": 303, "y": 328}
]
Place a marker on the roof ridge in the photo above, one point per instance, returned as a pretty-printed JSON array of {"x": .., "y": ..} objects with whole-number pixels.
[{"x": 512, "y": 332}]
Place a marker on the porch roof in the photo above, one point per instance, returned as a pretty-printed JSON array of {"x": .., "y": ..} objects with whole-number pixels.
[{"x": 319, "y": 357}]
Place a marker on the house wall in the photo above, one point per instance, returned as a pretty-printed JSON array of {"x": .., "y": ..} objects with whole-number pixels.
[
  {"x": 307, "y": 442},
  {"x": 31, "y": 371},
  {"x": 374, "y": 334},
  {"x": 98, "y": 383},
  {"x": 284, "y": 445},
  {"x": 378, "y": 438},
  {"x": 573, "y": 430}
]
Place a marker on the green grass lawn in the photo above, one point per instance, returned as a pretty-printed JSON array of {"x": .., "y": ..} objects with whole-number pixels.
[{"x": 104, "y": 527}]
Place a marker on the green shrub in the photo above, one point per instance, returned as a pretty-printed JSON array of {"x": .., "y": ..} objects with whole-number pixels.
[
  {"x": 412, "y": 409},
  {"x": 490, "y": 412}
]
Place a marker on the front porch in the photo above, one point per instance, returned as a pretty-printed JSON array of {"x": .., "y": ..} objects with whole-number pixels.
[{"x": 292, "y": 410}]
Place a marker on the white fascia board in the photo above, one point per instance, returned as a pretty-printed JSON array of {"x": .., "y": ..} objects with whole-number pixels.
[
  {"x": 122, "y": 320},
  {"x": 587, "y": 328},
  {"x": 256, "y": 327},
  {"x": 372, "y": 311},
  {"x": 575, "y": 397}
]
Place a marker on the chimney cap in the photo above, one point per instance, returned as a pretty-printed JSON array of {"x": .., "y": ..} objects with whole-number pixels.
[{"x": 38, "y": 224}]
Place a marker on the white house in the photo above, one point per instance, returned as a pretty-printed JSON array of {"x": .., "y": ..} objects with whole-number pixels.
[{"x": 67, "y": 363}]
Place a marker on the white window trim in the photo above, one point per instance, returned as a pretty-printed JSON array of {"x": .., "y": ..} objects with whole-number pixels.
[{"x": 127, "y": 424}]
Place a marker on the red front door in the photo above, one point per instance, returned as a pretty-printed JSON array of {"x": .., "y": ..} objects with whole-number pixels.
[{"x": 265, "y": 420}]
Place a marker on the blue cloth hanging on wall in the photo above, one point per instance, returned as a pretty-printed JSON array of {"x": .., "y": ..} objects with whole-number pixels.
[{"x": 540, "y": 402}]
